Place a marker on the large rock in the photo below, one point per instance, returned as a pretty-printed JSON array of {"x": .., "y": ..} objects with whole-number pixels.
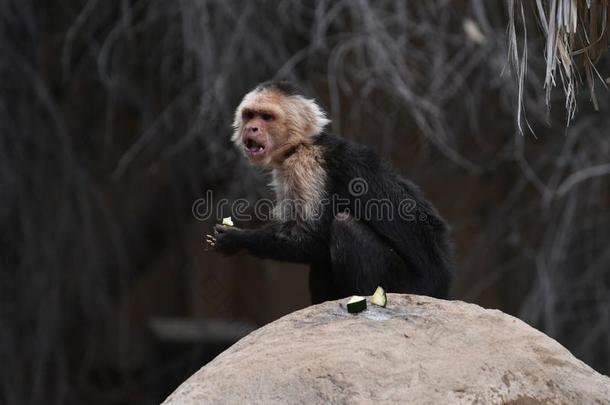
[{"x": 418, "y": 350}]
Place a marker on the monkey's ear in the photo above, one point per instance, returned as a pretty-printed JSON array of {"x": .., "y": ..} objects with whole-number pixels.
[
  {"x": 319, "y": 117},
  {"x": 315, "y": 117}
]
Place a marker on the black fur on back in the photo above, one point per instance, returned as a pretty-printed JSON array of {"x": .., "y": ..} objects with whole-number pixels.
[{"x": 420, "y": 237}]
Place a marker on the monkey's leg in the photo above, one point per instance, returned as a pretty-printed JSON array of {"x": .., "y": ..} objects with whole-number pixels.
[
  {"x": 362, "y": 261},
  {"x": 321, "y": 284}
]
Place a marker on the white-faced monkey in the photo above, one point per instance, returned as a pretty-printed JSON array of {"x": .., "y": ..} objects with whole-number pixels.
[{"x": 340, "y": 208}]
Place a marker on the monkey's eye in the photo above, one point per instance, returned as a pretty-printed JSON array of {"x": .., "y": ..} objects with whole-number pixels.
[
  {"x": 248, "y": 115},
  {"x": 266, "y": 117}
]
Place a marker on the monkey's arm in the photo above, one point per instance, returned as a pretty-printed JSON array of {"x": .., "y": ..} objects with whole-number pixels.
[{"x": 278, "y": 241}]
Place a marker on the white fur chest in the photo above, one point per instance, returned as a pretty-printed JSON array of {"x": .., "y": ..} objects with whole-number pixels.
[{"x": 299, "y": 186}]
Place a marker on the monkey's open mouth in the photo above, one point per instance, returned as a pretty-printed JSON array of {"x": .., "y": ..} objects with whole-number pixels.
[{"x": 253, "y": 147}]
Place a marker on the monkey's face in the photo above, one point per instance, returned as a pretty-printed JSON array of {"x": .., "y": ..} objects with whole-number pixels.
[
  {"x": 268, "y": 123},
  {"x": 263, "y": 130}
]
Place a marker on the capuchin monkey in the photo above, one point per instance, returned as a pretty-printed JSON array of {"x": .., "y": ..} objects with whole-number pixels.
[{"x": 339, "y": 208}]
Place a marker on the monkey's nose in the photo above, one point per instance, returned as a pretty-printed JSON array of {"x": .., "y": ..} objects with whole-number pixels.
[{"x": 252, "y": 129}]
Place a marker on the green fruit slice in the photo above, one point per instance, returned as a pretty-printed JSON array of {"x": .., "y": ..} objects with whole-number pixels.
[{"x": 356, "y": 304}]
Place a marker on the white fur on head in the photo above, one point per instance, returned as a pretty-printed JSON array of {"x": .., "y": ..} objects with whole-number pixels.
[{"x": 304, "y": 118}]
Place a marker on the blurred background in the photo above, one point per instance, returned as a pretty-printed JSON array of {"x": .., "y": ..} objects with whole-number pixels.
[{"x": 115, "y": 119}]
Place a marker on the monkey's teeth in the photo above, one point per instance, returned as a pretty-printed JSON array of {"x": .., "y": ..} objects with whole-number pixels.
[{"x": 253, "y": 146}]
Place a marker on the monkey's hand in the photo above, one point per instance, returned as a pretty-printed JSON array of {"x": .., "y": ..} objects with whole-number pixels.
[{"x": 226, "y": 239}]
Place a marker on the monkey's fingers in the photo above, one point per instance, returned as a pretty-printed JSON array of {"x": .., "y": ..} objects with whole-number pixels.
[{"x": 210, "y": 242}]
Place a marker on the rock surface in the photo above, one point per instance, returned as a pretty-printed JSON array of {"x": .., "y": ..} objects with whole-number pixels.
[{"x": 418, "y": 350}]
